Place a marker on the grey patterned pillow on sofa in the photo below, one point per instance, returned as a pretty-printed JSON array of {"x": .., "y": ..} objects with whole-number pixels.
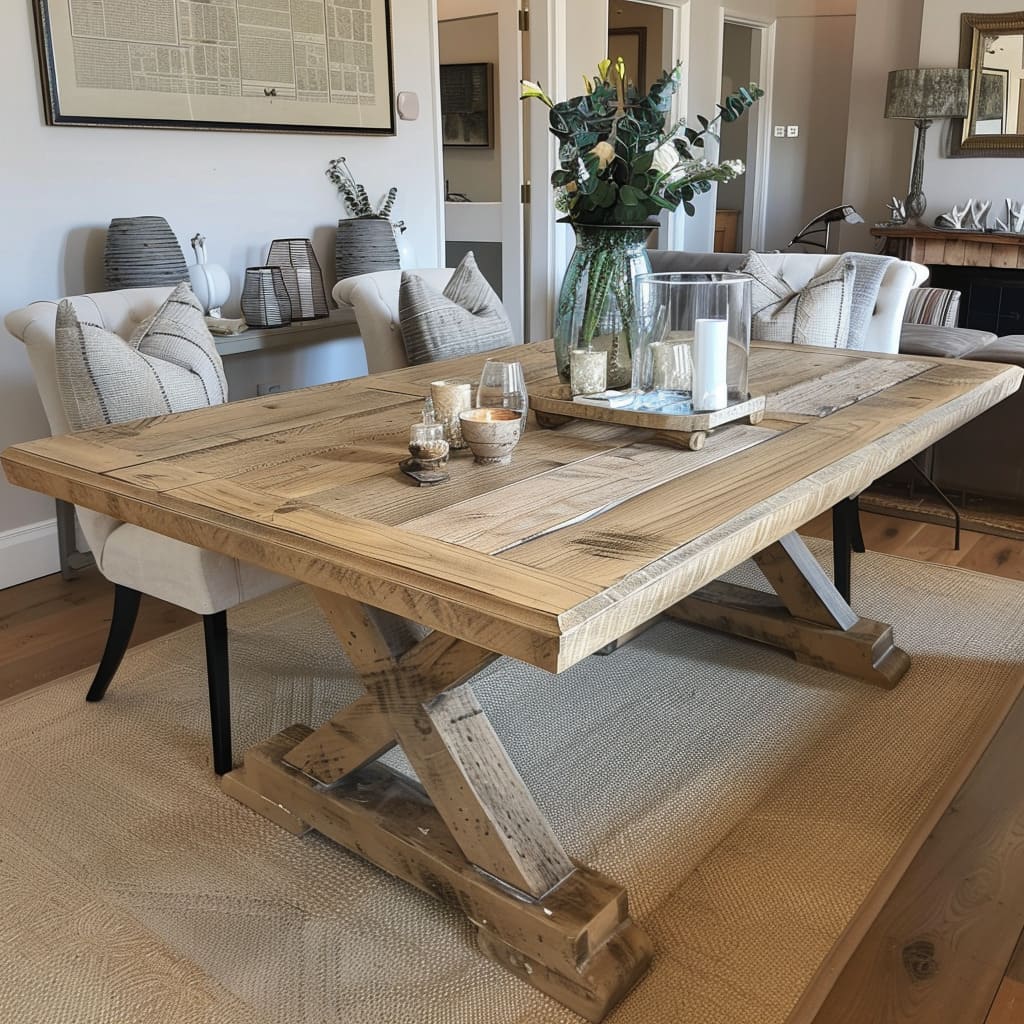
[
  {"x": 818, "y": 314},
  {"x": 466, "y": 317},
  {"x": 170, "y": 365}
]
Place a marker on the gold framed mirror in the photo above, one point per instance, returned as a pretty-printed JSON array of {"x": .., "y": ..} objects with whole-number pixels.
[{"x": 992, "y": 47}]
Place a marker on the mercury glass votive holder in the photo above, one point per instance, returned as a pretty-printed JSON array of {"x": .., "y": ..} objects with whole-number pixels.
[
  {"x": 452, "y": 397},
  {"x": 588, "y": 370}
]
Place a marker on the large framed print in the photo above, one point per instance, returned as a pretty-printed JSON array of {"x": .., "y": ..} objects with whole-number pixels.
[{"x": 269, "y": 65}]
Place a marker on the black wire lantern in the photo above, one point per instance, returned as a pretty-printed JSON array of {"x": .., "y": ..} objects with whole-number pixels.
[
  {"x": 265, "y": 299},
  {"x": 302, "y": 276}
]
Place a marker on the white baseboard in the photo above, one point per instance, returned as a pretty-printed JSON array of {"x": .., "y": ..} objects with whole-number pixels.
[{"x": 28, "y": 552}]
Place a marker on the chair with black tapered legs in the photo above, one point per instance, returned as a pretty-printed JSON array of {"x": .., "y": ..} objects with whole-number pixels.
[
  {"x": 215, "y": 631},
  {"x": 135, "y": 560}
]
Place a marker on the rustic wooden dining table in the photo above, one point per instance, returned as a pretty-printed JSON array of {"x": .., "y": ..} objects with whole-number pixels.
[{"x": 592, "y": 531}]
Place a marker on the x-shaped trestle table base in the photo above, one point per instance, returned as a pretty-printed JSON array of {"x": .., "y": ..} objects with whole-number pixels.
[{"x": 470, "y": 833}]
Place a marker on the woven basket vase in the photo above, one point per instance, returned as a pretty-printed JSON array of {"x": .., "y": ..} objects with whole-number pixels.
[{"x": 365, "y": 245}]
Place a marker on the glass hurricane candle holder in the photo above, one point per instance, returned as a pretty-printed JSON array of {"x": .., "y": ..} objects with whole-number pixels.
[{"x": 693, "y": 346}]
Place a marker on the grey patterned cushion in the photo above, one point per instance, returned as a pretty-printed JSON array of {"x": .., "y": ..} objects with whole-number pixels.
[
  {"x": 170, "y": 364},
  {"x": 466, "y": 317},
  {"x": 818, "y": 314},
  {"x": 869, "y": 270}
]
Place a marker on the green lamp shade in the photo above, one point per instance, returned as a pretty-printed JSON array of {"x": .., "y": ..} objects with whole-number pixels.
[{"x": 928, "y": 92}]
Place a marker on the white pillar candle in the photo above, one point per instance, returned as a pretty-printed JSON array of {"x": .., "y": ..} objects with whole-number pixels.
[
  {"x": 588, "y": 371},
  {"x": 710, "y": 359}
]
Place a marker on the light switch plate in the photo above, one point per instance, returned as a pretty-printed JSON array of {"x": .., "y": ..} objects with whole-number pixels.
[
  {"x": 780, "y": 131},
  {"x": 793, "y": 131}
]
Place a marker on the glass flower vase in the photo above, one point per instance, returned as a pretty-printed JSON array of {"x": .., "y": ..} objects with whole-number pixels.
[{"x": 596, "y": 306}]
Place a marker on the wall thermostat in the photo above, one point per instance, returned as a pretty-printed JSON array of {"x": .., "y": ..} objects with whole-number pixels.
[{"x": 408, "y": 106}]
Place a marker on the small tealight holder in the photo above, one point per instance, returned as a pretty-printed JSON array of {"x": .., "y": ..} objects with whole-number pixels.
[
  {"x": 452, "y": 397},
  {"x": 428, "y": 448},
  {"x": 588, "y": 371}
]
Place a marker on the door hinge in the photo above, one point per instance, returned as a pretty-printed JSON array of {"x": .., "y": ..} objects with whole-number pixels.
[
  {"x": 524, "y": 193},
  {"x": 524, "y": 21}
]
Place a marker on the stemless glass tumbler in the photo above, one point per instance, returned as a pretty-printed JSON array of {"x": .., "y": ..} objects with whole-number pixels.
[
  {"x": 503, "y": 386},
  {"x": 693, "y": 341}
]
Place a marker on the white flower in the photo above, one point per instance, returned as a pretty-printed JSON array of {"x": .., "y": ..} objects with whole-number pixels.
[
  {"x": 688, "y": 169},
  {"x": 666, "y": 157},
  {"x": 605, "y": 153},
  {"x": 736, "y": 166}
]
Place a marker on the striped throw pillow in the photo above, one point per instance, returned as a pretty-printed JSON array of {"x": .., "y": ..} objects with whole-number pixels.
[
  {"x": 818, "y": 314},
  {"x": 939, "y": 307},
  {"x": 466, "y": 317},
  {"x": 169, "y": 365}
]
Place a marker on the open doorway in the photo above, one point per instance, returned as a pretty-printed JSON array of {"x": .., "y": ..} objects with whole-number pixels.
[
  {"x": 642, "y": 35},
  {"x": 480, "y": 56},
  {"x": 739, "y": 225}
]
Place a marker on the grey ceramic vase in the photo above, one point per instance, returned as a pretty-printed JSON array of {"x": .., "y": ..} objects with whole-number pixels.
[
  {"x": 365, "y": 245},
  {"x": 143, "y": 252}
]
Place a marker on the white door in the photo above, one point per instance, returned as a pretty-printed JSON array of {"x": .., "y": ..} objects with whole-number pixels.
[{"x": 481, "y": 59}]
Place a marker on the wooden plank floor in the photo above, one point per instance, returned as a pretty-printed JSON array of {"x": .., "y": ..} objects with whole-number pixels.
[
  {"x": 50, "y": 627},
  {"x": 948, "y": 946}
]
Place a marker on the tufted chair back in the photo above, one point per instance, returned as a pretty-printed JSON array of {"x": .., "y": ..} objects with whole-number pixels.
[
  {"x": 35, "y": 325},
  {"x": 374, "y": 300}
]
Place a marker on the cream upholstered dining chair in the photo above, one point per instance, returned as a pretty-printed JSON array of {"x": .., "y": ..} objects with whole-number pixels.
[
  {"x": 135, "y": 560},
  {"x": 374, "y": 300}
]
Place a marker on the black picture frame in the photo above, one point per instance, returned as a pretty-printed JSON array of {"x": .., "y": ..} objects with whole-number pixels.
[
  {"x": 467, "y": 105},
  {"x": 251, "y": 111}
]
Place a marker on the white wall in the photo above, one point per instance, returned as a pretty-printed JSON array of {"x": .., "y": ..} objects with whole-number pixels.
[
  {"x": 878, "y": 151},
  {"x": 62, "y": 185},
  {"x": 796, "y": 61},
  {"x": 949, "y": 180},
  {"x": 813, "y": 63}
]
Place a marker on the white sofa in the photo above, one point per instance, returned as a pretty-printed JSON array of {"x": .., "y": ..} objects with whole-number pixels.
[{"x": 797, "y": 268}]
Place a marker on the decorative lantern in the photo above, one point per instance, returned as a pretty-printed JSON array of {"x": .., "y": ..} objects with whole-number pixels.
[
  {"x": 265, "y": 301},
  {"x": 694, "y": 340},
  {"x": 302, "y": 276}
]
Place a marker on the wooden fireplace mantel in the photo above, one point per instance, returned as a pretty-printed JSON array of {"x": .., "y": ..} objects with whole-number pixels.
[{"x": 934, "y": 247}]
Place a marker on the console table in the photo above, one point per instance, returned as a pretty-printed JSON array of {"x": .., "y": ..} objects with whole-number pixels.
[{"x": 298, "y": 332}]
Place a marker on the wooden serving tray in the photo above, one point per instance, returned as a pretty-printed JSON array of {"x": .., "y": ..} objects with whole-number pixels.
[{"x": 553, "y": 406}]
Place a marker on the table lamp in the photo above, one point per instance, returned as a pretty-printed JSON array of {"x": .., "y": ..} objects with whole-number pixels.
[{"x": 920, "y": 95}]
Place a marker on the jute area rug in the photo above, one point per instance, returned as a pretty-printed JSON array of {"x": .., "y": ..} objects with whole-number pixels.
[{"x": 749, "y": 805}]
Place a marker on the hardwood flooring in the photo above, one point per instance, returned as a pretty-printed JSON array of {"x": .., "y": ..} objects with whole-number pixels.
[
  {"x": 50, "y": 627},
  {"x": 948, "y": 946}
]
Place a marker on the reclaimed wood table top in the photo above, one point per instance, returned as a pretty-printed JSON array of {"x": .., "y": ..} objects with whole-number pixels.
[{"x": 590, "y": 531}]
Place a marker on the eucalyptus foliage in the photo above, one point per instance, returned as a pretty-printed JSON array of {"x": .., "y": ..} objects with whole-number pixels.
[
  {"x": 619, "y": 163},
  {"x": 355, "y": 197}
]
